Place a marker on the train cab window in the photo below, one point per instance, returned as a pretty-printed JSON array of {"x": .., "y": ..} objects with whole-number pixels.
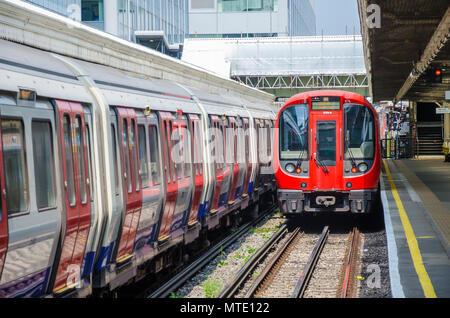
[
  {"x": 81, "y": 159},
  {"x": 114, "y": 154},
  {"x": 68, "y": 147},
  {"x": 14, "y": 161},
  {"x": 44, "y": 168},
  {"x": 326, "y": 142},
  {"x": 293, "y": 132},
  {"x": 359, "y": 132},
  {"x": 134, "y": 153},
  {"x": 154, "y": 155},
  {"x": 127, "y": 155},
  {"x": 143, "y": 156}
]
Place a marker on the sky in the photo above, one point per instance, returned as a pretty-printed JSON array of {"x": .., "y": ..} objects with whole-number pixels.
[{"x": 332, "y": 16}]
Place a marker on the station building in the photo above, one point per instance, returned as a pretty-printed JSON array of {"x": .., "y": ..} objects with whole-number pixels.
[
  {"x": 251, "y": 18},
  {"x": 158, "y": 24}
]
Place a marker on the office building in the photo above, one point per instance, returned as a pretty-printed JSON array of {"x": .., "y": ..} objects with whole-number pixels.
[
  {"x": 159, "y": 24},
  {"x": 251, "y": 18}
]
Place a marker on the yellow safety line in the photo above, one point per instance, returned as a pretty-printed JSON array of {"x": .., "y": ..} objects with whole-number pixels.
[{"x": 424, "y": 279}]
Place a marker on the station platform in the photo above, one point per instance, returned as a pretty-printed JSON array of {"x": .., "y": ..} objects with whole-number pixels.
[{"x": 416, "y": 201}]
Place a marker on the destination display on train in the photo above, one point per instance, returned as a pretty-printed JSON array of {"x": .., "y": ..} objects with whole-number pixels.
[{"x": 325, "y": 103}]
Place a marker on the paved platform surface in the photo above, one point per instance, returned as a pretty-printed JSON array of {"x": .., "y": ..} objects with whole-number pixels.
[{"x": 416, "y": 204}]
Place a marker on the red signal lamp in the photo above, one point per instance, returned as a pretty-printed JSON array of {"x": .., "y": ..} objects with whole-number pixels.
[{"x": 438, "y": 72}]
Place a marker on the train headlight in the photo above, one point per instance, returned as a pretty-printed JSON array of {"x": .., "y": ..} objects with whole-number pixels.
[
  {"x": 290, "y": 168},
  {"x": 363, "y": 167}
]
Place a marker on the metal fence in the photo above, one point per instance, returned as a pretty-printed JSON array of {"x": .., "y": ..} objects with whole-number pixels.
[{"x": 400, "y": 147}]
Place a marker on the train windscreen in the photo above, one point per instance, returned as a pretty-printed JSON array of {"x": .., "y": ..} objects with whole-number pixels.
[
  {"x": 294, "y": 132},
  {"x": 359, "y": 132}
]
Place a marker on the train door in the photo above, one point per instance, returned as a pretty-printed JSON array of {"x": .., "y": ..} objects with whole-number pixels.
[
  {"x": 91, "y": 242},
  {"x": 77, "y": 193},
  {"x": 217, "y": 127},
  {"x": 325, "y": 166},
  {"x": 232, "y": 154},
  {"x": 3, "y": 214},
  {"x": 128, "y": 133},
  {"x": 166, "y": 121},
  {"x": 182, "y": 150},
  {"x": 248, "y": 160},
  {"x": 240, "y": 157},
  {"x": 267, "y": 175},
  {"x": 197, "y": 167},
  {"x": 259, "y": 148},
  {"x": 226, "y": 180},
  {"x": 152, "y": 188}
]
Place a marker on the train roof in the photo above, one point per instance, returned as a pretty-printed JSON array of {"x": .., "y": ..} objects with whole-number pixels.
[
  {"x": 355, "y": 98},
  {"x": 120, "y": 87}
]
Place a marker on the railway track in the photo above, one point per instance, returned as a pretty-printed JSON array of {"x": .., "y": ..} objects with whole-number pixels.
[
  {"x": 302, "y": 266},
  {"x": 184, "y": 275}
]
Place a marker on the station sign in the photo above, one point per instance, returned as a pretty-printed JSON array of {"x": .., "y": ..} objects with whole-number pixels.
[{"x": 442, "y": 110}]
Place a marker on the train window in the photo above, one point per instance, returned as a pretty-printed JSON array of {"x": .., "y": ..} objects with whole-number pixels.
[
  {"x": 178, "y": 145},
  {"x": 88, "y": 147},
  {"x": 143, "y": 155},
  {"x": 14, "y": 161},
  {"x": 154, "y": 155},
  {"x": 169, "y": 149},
  {"x": 166, "y": 151},
  {"x": 134, "y": 153},
  {"x": 44, "y": 169},
  {"x": 326, "y": 142},
  {"x": 221, "y": 146},
  {"x": 114, "y": 151},
  {"x": 293, "y": 132},
  {"x": 247, "y": 143},
  {"x": 199, "y": 144},
  {"x": 187, "y": 153},
  {"x": 69, "y": 160},
  {"x": 194, "y": 147},
  {"x": 80, "y": 158},
  {"x": 359, "y": 132},
  {"x": 127, "y": 156}
]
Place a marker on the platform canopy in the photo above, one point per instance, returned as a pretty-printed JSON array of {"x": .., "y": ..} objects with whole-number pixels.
[{"x": 403, "y": 41}]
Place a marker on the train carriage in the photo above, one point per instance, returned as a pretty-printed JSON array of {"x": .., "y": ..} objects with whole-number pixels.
[
  {"x": 107, "y": 175},
  {"x": 326, "y": 153}
]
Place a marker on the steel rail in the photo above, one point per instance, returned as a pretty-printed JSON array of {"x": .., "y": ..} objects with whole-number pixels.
[
  {"x": 310, "y": 265},
  {"x": 349, "y": 265},
  {"x": 270, "y": 269},
  {"x": 231, "y": 289},
  {"x": 179, "y": 279}
]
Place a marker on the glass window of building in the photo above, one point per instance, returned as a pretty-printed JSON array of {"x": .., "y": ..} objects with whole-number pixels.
[
  {"x": 92, "y": 10},
  {"x": 247, "y": 5}
]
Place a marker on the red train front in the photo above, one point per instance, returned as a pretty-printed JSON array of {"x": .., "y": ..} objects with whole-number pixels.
[{"x": 326, "y": 153}]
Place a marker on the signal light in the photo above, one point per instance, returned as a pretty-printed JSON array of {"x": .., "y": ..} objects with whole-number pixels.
[
  {"x": 354, "y": 170},
  {"x": 434, "y": 76},
  {"x": 299, "y": 170}
]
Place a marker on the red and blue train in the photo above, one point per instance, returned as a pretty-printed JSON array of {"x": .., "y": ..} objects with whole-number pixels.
[{"x": 327, "y": 153}]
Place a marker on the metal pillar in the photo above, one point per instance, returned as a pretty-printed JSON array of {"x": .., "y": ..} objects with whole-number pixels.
[{"x": 446, "y": 136}]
